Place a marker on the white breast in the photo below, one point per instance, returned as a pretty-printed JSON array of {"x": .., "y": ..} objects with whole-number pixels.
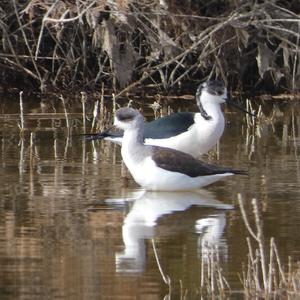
[
  {"x": 199, "y": 138},
  {"x": 151, "y": 177}
]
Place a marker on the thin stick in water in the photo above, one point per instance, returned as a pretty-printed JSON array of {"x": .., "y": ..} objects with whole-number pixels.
[
  {"x": 65, "y": 110},
  {"x": 244, "y": 215},
  {"x": 32, "y": 136},
  {"x": 165, "y": 278},
  {"x": 278, "y": 262},
  {"x": 102, "y": 103},
  {"x": 114, "y": 103},
  {"x": 95, "y": 114},
  {"x": 83, "y": 100},
  {"x": 260, "y": 238},
  {"x": 21, "y": 111},
  {"x": 271, "y": 266}
]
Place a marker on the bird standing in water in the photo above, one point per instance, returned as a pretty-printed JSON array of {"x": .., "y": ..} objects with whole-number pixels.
[
  {"x": 189, "y": 132},
  {"x": 160, "y": 168}
]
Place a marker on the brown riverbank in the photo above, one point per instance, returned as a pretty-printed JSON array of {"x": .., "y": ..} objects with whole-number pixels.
[{"x": 163, "y": 46}]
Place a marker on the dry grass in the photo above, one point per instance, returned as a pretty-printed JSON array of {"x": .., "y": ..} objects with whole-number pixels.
[
  {"x": 126, "y": 43},
  {"x": 264, "y": 275}
]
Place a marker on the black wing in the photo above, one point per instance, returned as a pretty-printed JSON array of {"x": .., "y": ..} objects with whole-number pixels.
[
  {"x": 168, "y": 126},
  {"x": 176, "y": 161},
  {"x": 161, "y": 128}
]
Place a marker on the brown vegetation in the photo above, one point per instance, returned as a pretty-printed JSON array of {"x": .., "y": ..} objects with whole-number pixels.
[
  {"x": 163, "y": 44},
  {"x": 264, "y": 276}
]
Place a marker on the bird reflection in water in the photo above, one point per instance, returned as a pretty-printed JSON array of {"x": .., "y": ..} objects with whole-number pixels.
[
  {"x": 140, "y": 223},
  {"x": 210, "y": 231}
]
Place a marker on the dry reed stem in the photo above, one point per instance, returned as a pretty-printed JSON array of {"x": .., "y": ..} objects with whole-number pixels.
[
  {"x": 22, "y": 67},
  {"x": 114, "y": 103},
  {"x": 202, "y": 273},
  {"x": 95, "y": 115},
  {"x": 281, "y": 272},
  {"x": 67, "y": 146},
  {"x": 245, "y": 218},
  {"x": 21, "y": 160},
  {"x": 260, "y": 240},
  {"x": 28, "y": 46},
  {"x": 64, "y": 20},
  {"x": 212, "y": 271},
  {"x": 296, "y": 56},
  {"x": 212, "y": 281},
  {"x": 21, "y": 111},
  {"x": 65, "y": 111},
  {"x": 101, "y": 122},
  {"x": 166, "y": 278},
  {"x": 102, "y": 102},
  {"x": 31, "y": 150},
  {"x": 55, "y": 148},
  {"x": 42, "y": 28},
  {"x": 274, "y": 279},
  {"x": 253, "y": 265},
  {"x": 271, "y": 267},
  {"x": 83, "y": 101},
  {"x": 83, "y": 155}
]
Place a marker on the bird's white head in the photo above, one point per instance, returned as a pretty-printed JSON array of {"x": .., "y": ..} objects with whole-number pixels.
[
  {"x": 212, "y": 91},
  {"x": 209, "y": 96},
  {"x": 128, "y": 118}
]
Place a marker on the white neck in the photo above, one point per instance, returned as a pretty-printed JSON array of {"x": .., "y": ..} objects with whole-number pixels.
[
  {"x": 133, "y": 144},
  {"x": 132, "y": 138},
  {"x": 212, "y": 106},
  {"x": 213, "y": 110}
]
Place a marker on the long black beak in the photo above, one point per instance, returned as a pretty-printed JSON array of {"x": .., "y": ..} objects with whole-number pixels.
[{"x": 229, "y": 101}]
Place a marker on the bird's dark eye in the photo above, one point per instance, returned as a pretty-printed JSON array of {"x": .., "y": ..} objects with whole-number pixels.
[{"x": 215, "y": 87}]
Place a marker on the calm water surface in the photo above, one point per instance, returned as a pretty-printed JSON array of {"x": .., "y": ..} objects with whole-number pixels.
[{"x": 72, "y": 226}]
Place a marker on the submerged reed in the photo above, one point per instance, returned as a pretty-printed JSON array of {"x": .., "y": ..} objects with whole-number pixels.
[
  {"x": 65, "y": 111},
  {"x": 264, "y": 274},
  {"x": 21, "y": 126}
]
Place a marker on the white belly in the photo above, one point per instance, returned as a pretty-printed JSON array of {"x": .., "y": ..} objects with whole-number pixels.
[
  {"x": 150, "y": 177},
  {"x": 198, "y": 140}
]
